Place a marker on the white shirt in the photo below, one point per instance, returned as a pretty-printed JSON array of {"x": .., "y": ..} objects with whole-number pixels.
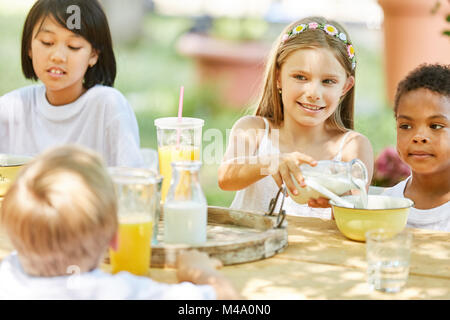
[
  {"x": 16, "y": 284},
  {"x": 437, "y": 218},
  {"x": 101, "y": 119},
  {"x": 257, "y": 196}
]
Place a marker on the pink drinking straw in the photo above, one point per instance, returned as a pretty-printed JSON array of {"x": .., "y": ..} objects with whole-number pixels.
[{"x": 180, "y": 114}]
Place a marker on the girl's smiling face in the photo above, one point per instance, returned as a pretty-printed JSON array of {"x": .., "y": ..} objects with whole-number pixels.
[
  {"x": 60, "y": 60},
  {"x": 423, "y": 130},
  {"x": 312, "y": 82}
]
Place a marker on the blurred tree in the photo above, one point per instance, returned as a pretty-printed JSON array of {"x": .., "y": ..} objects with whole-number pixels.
[
  {"x": 435, "y": 9},
  {"x": 202, "y": 24}
]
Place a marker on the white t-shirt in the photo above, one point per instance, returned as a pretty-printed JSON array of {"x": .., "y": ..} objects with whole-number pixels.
[
  {"x": 101, "y": 119},
  {"x": 16, "y": 284},
  {"x": 437, "y": 218}
]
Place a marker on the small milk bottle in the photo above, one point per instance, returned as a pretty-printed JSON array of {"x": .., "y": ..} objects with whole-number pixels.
[{"x": 185, "y": 208}]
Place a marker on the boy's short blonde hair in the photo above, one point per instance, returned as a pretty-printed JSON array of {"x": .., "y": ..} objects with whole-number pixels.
[{"x": 61, "y": 212}]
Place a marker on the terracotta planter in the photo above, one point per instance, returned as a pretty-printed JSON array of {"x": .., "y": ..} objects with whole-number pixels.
[
  {"x": 235, "y": 68},
  {"x": 413, "y": 35}
]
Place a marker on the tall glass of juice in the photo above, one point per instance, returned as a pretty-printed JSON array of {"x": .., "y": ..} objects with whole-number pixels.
[
  {"x": 138, "y": 198},
  {"x": 178, "y": 140}
]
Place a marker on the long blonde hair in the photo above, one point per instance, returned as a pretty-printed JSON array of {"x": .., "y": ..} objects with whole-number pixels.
[{"x": 270, "y": 104}]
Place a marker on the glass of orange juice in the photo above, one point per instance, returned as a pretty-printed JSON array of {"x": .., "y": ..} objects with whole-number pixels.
[
  {"x": 178, "y": 140},
  {"x": 137, "y": 198}
]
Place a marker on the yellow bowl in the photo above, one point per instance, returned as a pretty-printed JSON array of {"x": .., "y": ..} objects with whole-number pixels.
[
  {"x": 9, "y": 168},
  {"x": 382, "y": 212}
]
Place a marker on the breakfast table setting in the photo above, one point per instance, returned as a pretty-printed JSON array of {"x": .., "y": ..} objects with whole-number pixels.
[
  {"x": 319, "y": 262},
  {"x": 366, "y": 251},
  {"x": 278, "y": 256}
]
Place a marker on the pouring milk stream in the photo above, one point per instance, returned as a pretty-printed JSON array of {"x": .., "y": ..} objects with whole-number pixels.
[{"x": 332, "y": 179}]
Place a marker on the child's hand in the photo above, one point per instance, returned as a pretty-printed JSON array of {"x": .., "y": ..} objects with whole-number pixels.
[
  {"x": 289, "y": 164},
  {"x": 197, "y": 267},
  {"x": 193, "y": 261},
  {"x": 319, "y": 203}
]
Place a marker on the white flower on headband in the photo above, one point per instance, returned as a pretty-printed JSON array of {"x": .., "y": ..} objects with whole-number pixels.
[
  {"x": 331, "y": 30},
  {"x": 299, "y": 28},
  {"x": 327, "y": 28}
]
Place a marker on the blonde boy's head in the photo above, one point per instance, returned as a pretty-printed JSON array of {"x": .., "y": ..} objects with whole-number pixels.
[{"x": 61, "y": 212}]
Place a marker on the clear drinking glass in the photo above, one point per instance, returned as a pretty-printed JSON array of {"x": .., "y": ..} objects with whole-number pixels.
[
  {"x": 185, "y": 208},
  {"x": 178, "y": 140},
  {"x": 388, "y": 257},
  {"x": 150, "y": 158},
  {"x": 138, "y": 199}
]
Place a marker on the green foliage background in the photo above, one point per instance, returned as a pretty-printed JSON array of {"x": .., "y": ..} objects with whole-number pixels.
[{"x": 150, "y": 73}]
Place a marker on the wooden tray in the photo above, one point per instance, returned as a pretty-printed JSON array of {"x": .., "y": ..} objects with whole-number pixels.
[{"x": 233, "y": 236}]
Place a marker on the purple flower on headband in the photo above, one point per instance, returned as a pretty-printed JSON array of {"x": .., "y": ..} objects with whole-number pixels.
[
  {"x": 350, "y": 51},
  {"x": 284, "y": 38},
  {"x": 313, "y": 25}
]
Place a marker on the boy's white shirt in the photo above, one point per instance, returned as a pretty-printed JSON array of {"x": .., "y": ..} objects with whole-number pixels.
[
  {"x": 437, "y": 218},
  {"x": 16, "y": 284},
  {"x": 101, "y": 119}
]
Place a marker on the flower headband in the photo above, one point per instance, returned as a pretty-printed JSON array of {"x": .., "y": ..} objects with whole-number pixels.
[{"x": 329, "y": 29}]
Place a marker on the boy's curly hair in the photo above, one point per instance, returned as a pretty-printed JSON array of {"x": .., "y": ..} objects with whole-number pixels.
[{"x": 434, "y": 77}]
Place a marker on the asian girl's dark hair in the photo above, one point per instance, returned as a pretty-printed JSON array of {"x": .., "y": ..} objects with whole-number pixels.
[{"x": 93, "y": 27}]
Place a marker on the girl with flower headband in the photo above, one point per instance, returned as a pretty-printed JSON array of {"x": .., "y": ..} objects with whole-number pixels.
[{"x": 305, "y": 114}]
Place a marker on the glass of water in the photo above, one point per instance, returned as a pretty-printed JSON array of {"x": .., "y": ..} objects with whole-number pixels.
[
  {"x": 151, "y": 162},
  {"x": 388, "y": 257}
]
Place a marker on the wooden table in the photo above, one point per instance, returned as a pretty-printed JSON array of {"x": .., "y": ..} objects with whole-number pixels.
[{"x": 320, "y": 263}]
